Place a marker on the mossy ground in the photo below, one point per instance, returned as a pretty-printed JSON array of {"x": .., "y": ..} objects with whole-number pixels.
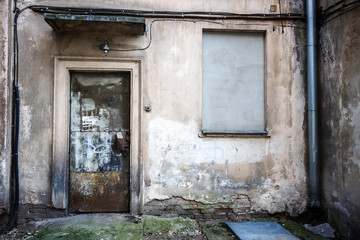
[
  {"x": 125, "y": 227},
  {"x": 115, "y": 226},
  {"x": 171, "y": 228},
  {"x": 217, "y": 231},
  {"x": 97, "y": 227},
  {"x": 299, "y": 230},
  {"x": 294, "y": 227}
]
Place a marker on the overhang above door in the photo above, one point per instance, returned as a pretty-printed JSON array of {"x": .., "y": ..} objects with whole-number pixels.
[{"x": 62, "y": 22}]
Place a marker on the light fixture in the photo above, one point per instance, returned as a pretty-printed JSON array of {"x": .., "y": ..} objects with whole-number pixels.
[{"x": 106, "y": 47}]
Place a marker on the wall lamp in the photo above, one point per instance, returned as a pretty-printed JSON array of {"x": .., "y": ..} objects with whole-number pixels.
[{"x": 106, "y": 47}]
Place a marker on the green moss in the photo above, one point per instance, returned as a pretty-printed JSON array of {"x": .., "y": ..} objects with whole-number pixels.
[
  {"x": 216, "y": 231},
  {"x": 299, "y": 230},
  {"x": 265, "y": 220},
  {"x": 169, "y": 226},
  {"x": 336, "y": 222},
  {"x": 91, "y": 231},
  {"x": 67, "y": 233}
]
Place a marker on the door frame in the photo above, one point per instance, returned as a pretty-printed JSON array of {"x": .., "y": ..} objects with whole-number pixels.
[{"x": 61, "y": 120}]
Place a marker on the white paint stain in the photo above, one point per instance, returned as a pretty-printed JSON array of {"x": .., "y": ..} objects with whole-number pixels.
[
  {"x": 85, "y": 188},
  {"x": 87, "y": 106},
  {"x": 183, "y": 164},
  {"x": 25, "y": 121},
  {"x": 342, "y": 209},
  {"x": 90, "y": 122},
  {"x": 355, "y": 124},
  {"x": 89, "y": 81},
  {"x": 75, "y": 111},
  {"x": 104, "y": 119},
  {"x": 172, "y": 140},
  {"x": 176, "y": 151}
]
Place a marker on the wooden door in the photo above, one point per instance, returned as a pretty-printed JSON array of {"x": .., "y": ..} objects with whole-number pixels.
[{"x": 99, "y": 142}]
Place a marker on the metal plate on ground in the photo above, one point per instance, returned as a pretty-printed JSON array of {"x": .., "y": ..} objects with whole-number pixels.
[{"x": 261, "y": 231}]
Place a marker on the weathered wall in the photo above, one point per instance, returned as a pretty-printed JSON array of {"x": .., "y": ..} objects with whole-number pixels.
[
  {"x": 4, "y": 104},
  {"x": 339, "y": 53},
  {"x": 264, "y": 174},
  {"x": 269, "y": 171}
]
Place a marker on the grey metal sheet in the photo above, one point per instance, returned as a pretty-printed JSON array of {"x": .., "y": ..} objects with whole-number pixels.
[
  {"x": 261, "y": 231},
  {"x": 233, "y": 97}
]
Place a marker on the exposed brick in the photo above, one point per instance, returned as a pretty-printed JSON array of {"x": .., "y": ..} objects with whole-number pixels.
[
  {"x": 220, "y": 216},
  {"x": 222, "y": 210},
  {"x": 188, "y": 206},
  {"x": 192, "y": 211},
  {"x": 239, "y": 210},
  {"x": 156, "y": 203},
  {"x": 179, "y": 210},
  {"x": 170, "y": 207},
  {"x": 207, "y": 210},
  {"x": 241, "y": 203},
  {"x": 236, "y": 209}
]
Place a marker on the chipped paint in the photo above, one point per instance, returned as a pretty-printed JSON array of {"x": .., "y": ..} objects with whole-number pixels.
[
  {"x": 94, "y": 152},
  {"x": 182, "y": 164},
  {"x": 26, "y": 120},
  {"x": 340, "y": 122},
  {"x": 4, "y": 105},
  {"x": 104, "y": 192}
]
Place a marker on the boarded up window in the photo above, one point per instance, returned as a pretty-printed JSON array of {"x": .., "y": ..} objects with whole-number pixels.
[{"x": 233, "y": 82}]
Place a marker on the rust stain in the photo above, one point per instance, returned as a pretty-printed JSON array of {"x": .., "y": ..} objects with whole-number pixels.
[{"x": 99, "y": 192}]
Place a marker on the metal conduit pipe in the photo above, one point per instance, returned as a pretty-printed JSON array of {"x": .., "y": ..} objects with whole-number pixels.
[
  {"x": 314, "y": 191},
  {"x": 15, "y": 123}
]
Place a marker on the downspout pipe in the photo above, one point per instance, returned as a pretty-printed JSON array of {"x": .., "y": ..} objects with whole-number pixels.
[
  {"x": 314, "y": 190},
  {"x": 15, "y": 123}
]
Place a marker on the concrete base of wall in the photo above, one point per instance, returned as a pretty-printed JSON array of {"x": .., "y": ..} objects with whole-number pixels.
[
  {"x": 237, "y": 208},
  {"x": 29, "y": 213}
]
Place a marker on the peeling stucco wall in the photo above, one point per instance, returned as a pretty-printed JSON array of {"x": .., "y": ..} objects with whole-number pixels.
[
  {"x": 4, "y": 105},
  {"x": 340, "y": 120},
  {"x": 268, "y": 171},
  {"x": 36, "y": 93}
]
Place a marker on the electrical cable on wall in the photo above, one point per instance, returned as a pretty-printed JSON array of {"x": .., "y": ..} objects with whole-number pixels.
[
  {"x": 338, "y": 3},
  {"x": 282, "y": 25},
  {"x": 15, "y": 122},
  {"x": 106, "y": 48},
  {"x": 192, "y": 14},
  {"x": 328, "y": 14}
]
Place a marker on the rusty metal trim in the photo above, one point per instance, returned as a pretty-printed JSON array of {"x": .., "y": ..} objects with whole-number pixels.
[{"x": 55, "y": 20}]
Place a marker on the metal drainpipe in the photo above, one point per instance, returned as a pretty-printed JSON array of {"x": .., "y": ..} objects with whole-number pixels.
[{"x": 312, "y": 105}]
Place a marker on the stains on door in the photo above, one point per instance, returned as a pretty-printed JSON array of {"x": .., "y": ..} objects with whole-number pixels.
[{"x": 99, "y": 142}]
